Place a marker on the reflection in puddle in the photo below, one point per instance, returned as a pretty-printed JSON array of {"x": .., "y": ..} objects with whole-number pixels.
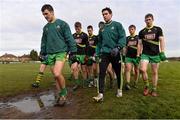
[{"x": 31, "y": 104}]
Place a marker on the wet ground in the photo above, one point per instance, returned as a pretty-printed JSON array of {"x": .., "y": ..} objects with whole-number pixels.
[{"x": 40, "y": 105}]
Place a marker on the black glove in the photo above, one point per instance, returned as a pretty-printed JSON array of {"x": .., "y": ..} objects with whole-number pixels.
[
  {"x": 123, "y": 58},
  {"x": 43, "y": 58},
  {"x": 72, "y": 57},
  {"x": 115, "y": 51},
  {"x": 138, "y": 59}
]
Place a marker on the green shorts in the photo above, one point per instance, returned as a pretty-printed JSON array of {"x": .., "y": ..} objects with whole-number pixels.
[
  {"x": 131, "y": 60},
  {"x": 81, "y": 59},
  {"x": 45, "y": 62},
  {"x": 151, "y": 59},
  {"x": 52, "y": 58}
]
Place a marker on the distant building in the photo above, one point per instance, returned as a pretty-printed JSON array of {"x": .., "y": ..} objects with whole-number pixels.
[
  {"x": 6, "y": 58},
  {"x": 25, "y": 58}
]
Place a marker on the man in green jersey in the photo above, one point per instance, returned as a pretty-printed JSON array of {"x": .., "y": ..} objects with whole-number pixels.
[
  {"x": 55, "y": 42},
  {"x": 111, "y": 40},
  {"x": 152, "y": 39}
]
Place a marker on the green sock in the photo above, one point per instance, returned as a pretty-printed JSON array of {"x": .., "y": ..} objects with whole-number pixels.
[
  {"x": 77, "y": 81},
  {"x": 39, "y": 77},
  {"x": 154, "y": 89},
  {"x": 146, "y": 83},
  {"x": 63, "y": 92}
]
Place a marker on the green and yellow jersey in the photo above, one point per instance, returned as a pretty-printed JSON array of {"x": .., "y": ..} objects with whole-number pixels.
[
  {"x": 81, "y": 40},
  {"x": 92, "y": 41},
  {"x": 131, "y": 46},
  {"x": 150, "y": 40}
]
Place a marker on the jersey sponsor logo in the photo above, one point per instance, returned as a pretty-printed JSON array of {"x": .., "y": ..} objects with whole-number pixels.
[
  {"x": 91, "y": 42},
  {"x": 150, "y": 36},
  {"x": 78, "y": 40},
  {"x": 132, "y": 43}
]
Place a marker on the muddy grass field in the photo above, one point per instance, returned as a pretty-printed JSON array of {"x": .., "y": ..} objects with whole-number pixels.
[{"x": 19, "y": 100}]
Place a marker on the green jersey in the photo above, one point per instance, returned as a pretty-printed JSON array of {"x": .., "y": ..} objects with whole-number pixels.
[
  {"x": 112, "y": 35},
  {"x": 57, "y": 37}
]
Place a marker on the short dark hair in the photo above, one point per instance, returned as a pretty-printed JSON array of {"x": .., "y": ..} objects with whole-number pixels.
[
  {"x": 100, "y": 23},
  {"x": 90, "y": 27},
  {"x": 48, "y": 7},
  {"x": 108, "y": 9},
  {"x": 149, "y": 15},
  {"x": 77, "y": 24},
  {"x": 132, "y": 26}
]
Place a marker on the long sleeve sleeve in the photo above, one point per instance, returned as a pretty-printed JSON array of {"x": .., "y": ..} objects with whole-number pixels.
[
  {"x": 122, "y": 36},
  {"x": 69, "y": 38}
]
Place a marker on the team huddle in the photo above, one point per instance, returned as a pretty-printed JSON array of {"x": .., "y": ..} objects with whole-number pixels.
[{"x": 94, "y": 56}]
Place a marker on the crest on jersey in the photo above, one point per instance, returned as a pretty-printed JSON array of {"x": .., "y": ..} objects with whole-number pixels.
[
  {"x": 58, "y": 27},
  {"x": 112, "y": 28},
  {"x": 149, "y": 30},
  {"x": 78, "y": 35},
  {"x": 132, "y": 38}
]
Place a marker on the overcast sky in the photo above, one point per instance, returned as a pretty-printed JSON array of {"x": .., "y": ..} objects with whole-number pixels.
[{"x": 21, "y": 21}]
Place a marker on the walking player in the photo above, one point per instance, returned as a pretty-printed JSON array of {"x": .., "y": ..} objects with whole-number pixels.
[
  {"x": 111, "y": 40},
  {"x": 55, "y": 42},
  {"x": 131, "y": 57},
  {"x": 152, "y": 39}
]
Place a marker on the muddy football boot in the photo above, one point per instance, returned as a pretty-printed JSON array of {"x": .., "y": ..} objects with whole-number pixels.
[
  {"x": 127, "y": 86},
  {"x": 146, "y": 91},
  {"x": 35, "y": 84}
]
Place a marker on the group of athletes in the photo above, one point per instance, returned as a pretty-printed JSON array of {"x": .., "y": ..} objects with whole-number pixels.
[{"x": 95, "y": 56}]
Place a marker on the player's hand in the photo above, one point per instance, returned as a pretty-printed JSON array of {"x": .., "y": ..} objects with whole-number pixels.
[
  {"x": 162, "y": 56},
  {"x": 72, "y": 56},
  {"x": 138, "y": 58},
  {"x": 115, "y": 51},
  {"x": 43, "y": 58},
  {"x": 123, "y": 58}
]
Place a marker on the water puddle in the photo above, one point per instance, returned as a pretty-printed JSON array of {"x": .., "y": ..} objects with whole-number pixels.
[{"x": 31, "y": 104}]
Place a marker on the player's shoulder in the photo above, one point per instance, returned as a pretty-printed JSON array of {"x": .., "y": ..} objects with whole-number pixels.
[
  {"x": 143, "y": 30},
  {"x": 127, "y": 37},
  {"x": 116, "y": 23},
  {"x": 157, "y": 28},
  {"x": 74, "y": 34},
  {"x": 83, "y": 33},
  {"x": 61, "y": 22}
]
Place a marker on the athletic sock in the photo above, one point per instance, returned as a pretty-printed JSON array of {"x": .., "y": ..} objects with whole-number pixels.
[
  {"x": 63, "y": 92},
  {"x": 146, "y": 83},
  {"x": 154, "y": 89},
  {"x": 77, "y": 82},
  {"x": 39, "y": 77}
]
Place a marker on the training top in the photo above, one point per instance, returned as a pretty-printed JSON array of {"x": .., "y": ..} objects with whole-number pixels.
[
  {"x": 150, "y": 40},
  {"x": 57, "y": 37},
  {"x": 81, "y": 42},
  {"x": 132, "y": 42},
  {"x": 110, "y": 36},
  {"x": 92, "y": 41}
]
